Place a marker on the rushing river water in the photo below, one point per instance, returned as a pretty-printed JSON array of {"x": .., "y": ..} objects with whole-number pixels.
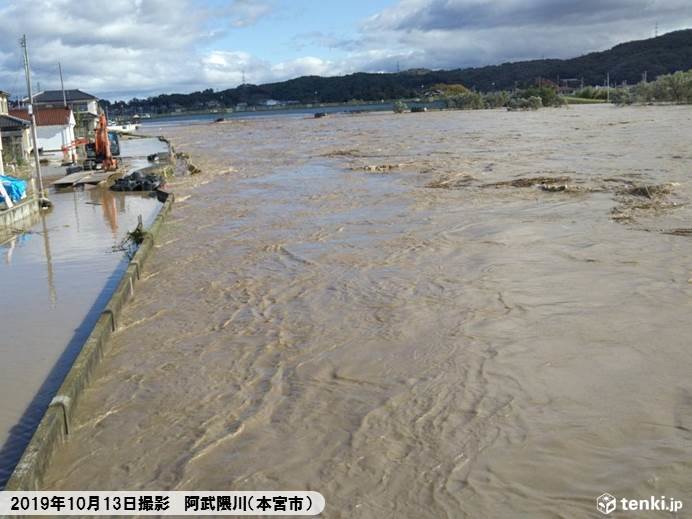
[{"x": 391, "y": 311}]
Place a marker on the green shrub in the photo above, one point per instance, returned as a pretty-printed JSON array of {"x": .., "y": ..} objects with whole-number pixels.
[
  {"x": 466, "y": 101},
  {"x": 399, "y": 107},
  {"x": 590, "y": 92},
  {"x": 669, "y": 88},
  {"x": 496, "y": 99},
  {"x": 621, "y": 96},
  {"x": 547, "y": 93},
  {"x": 524, "y": 103}
]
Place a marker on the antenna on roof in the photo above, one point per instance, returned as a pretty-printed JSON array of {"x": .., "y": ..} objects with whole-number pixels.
[{"x": 656, "y": 31}]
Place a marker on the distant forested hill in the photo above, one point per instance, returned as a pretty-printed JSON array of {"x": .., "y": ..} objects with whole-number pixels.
[{"x": 625, "y": 62}]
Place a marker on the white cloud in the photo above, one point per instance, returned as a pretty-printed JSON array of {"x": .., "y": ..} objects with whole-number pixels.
[
  {"x": 243, "y": 13},
  {"x": 229, "y": 66},
  {"x": 118, "y": 48}
]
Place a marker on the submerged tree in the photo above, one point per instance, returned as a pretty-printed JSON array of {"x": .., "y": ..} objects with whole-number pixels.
[
  {"x": 399, "y": 107},
  {"x": 668, "y": 88}
]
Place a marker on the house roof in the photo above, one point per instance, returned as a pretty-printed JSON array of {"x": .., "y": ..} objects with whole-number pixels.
[
  {"x": 55, "y": 96},
  {"x": 8, "y": 122},
  {"x": 45, "y": 116}
]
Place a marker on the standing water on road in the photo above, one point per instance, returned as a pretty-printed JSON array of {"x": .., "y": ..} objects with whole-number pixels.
[
  {"x": 465, "y": 314},
  {"x": 54, "y": 282}
]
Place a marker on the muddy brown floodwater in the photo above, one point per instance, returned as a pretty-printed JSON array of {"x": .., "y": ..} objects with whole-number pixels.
[{"x": 461, "y": 314}]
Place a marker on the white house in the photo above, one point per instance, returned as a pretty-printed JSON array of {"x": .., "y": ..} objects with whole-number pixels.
[{"x": 54, "y": 128}]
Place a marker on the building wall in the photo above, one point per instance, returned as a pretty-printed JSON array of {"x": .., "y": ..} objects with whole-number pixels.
[
  {"x": 2, "y": 165},
  {"x": 92, "y": 107},
  {"x": 76, "y": 106},
  {"x": 17, "y": 143},
  {"x": 54, "y": 138}
]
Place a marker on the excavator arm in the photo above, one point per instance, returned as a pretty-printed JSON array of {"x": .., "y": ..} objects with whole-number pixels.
[{"x": 103, "y": 146}]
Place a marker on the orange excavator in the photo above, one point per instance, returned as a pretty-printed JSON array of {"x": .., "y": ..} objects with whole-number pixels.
[
  {"x": 104, "y": 150},
  {"x": 103, "y": 145}
]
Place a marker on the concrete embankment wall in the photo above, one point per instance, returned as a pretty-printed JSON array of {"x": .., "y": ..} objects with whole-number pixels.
[
  {"x": 55, "y": 426},
  {"x": 21, "y": 215}
]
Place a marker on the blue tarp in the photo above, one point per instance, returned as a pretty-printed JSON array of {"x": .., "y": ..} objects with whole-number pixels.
[{"x": 15, "y": 187}]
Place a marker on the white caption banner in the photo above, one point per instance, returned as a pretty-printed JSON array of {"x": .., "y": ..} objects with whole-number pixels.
[{"x": 160, "y": 503}]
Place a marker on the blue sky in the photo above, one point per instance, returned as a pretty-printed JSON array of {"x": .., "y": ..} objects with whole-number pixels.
[
  {"x": 284, "y": 33},
  {"x": 125, "y": 48}
]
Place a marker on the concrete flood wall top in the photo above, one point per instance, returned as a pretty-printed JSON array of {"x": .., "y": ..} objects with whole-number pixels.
[{"x": 21, "y": 215}]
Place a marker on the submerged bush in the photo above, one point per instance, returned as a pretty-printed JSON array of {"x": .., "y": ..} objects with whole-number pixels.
[
  {"x": 590, "y": 92},
  {"x": 622, "y": 96},
  {"x": 669, "y": 88},
  {"x": 525, "y": 103},
  {"x": 465, "y": 101},
  {"x": 547, "y": 93},
  {"x": 399, "y": 107},
  {"x": 496, "y": 99},
  {"x": 676, "y": 88}
]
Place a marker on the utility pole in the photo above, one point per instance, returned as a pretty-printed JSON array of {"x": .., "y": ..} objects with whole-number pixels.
[
  {"x": 30, "y": 107},
  {"x": 644, "y": 76},
  {"x": 608, "y": 87},
  {"x": 62, "y": 87}
]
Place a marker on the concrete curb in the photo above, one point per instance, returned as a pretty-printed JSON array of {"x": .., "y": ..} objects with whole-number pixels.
[{"x": 55, "y": 425}]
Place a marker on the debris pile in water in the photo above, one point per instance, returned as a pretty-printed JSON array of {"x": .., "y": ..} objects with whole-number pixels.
[
  {"x": 530, "y": 182},
  {"x": 381, "y": 168},
  {"x": 450, "y": 182},
  {"x": 138, "y": 181},
  {"x": 641, "y": 200}
]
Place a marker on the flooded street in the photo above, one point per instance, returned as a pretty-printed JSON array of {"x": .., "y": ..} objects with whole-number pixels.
[
  {"x": 444, "y": 314},
  {"x": 56, "y": 279}
]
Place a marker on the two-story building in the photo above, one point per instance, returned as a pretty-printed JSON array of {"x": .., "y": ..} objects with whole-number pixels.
[{"x": 83, "y": 105}]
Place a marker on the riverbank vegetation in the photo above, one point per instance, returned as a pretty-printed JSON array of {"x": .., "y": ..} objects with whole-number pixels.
[
  {"x": 670, "y": 88},
  {"x": 458, "y": 97}
]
